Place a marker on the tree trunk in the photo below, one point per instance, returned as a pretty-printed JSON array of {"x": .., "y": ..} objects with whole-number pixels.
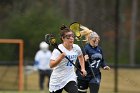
[
  {"x": 132, "y": 33},
  {"x": 71, "y": 9}
]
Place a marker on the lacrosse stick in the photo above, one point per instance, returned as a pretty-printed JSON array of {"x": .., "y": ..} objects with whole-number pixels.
[
  {"x": 50, "y": 39},
  {"x": 75, "y": 27}
]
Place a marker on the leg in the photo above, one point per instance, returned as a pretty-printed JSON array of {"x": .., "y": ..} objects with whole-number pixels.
[
  {"x": 48, "y": 74},
  {"x": 94, "y": 84},
  {"x": 71, "y": 87},
  {"x": 82, "y": 86},
  {"x": 94, "y": 88},
  {"x": 41, "y": 79}
]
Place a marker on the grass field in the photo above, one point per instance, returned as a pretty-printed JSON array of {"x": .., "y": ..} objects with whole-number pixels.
[{"x": 129, "y": 82}]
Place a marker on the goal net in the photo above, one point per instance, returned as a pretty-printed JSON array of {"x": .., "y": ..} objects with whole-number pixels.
[{"x": 11, "y": 64}]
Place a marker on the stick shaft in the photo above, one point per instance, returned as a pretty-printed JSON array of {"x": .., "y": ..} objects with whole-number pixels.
[{"x": 69, "y": 60}]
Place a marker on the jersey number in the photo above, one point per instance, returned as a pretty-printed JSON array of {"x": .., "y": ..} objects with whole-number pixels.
[
  {"x": 69, "y": 63},
  {"x": 95, "y": 64}
]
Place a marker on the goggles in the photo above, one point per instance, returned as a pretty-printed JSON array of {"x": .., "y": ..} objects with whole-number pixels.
[{"x": 67, "y": 36}]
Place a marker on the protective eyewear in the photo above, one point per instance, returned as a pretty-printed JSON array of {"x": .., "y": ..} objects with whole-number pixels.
[{"x": 67, "y": 36}]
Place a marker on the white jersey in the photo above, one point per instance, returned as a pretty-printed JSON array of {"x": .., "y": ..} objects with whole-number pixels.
[
  {"x": 64, "y": 71},
  {"x": 43, "y": 59}
]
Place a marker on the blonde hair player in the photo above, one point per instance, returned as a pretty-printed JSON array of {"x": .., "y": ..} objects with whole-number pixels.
[{"x": 94, "y": 55}]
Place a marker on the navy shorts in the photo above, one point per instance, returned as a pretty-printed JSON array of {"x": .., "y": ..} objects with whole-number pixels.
[{"x": 83, "y": 83}]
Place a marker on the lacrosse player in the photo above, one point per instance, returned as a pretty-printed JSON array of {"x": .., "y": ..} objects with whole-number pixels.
[
  {"x": 63, "y": 75},
  {"x": 95, "y": 56},
  {"x": 42, "y": 60}
]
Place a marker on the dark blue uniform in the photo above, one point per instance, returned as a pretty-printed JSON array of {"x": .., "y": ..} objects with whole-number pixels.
[{"x": 96, "y": 61}]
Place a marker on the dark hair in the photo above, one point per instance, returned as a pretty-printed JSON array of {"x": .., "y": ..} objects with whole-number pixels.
[{"x": 64, "y": 29}]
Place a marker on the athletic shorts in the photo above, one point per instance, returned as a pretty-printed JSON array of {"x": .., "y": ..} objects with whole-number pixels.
[{"x": 84, "y": 83}]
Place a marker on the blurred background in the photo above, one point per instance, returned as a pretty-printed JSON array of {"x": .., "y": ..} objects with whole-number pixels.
[{"x": 116, "y": 21}]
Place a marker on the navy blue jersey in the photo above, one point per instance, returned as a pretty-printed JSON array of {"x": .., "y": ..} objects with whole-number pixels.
[{"x": 96, "y": 59}]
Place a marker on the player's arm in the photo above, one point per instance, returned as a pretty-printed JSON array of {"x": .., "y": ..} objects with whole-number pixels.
[
  {"x": 82, "y": 64},
  {"x": 103, "y": 64},
  {"x": 54, "y": 63}
]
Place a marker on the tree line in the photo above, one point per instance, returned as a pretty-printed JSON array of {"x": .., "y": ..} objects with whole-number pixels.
[{"x": 30, "y": 20}]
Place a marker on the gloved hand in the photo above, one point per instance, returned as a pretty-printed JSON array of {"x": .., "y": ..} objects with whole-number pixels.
[{"x": 106, "y": 68}]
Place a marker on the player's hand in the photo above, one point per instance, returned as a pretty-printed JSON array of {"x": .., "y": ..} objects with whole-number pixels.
[
  {"x": 62, "y": 55},
  {"x": 84, "y": 72},
  {"x": 86, "y": 57},
  {"x": 106, "y": 68}
]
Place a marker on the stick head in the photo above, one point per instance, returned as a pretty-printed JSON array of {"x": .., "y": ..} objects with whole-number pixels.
[
  {"x": 50, "y": 39},
  {"x": 80, "y": 30},
  {"x": 75, "y": 27}
]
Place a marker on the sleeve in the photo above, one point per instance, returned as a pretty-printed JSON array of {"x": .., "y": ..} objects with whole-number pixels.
[
  {"x": 85, "y": 50},
  {"x": 103, "y": 64},
  {"x": 36, "y": 60},
  {"x": 55, "y": 54},
  {"x": 37, "y": 56},
  {"x": 79, "y": 51}
]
